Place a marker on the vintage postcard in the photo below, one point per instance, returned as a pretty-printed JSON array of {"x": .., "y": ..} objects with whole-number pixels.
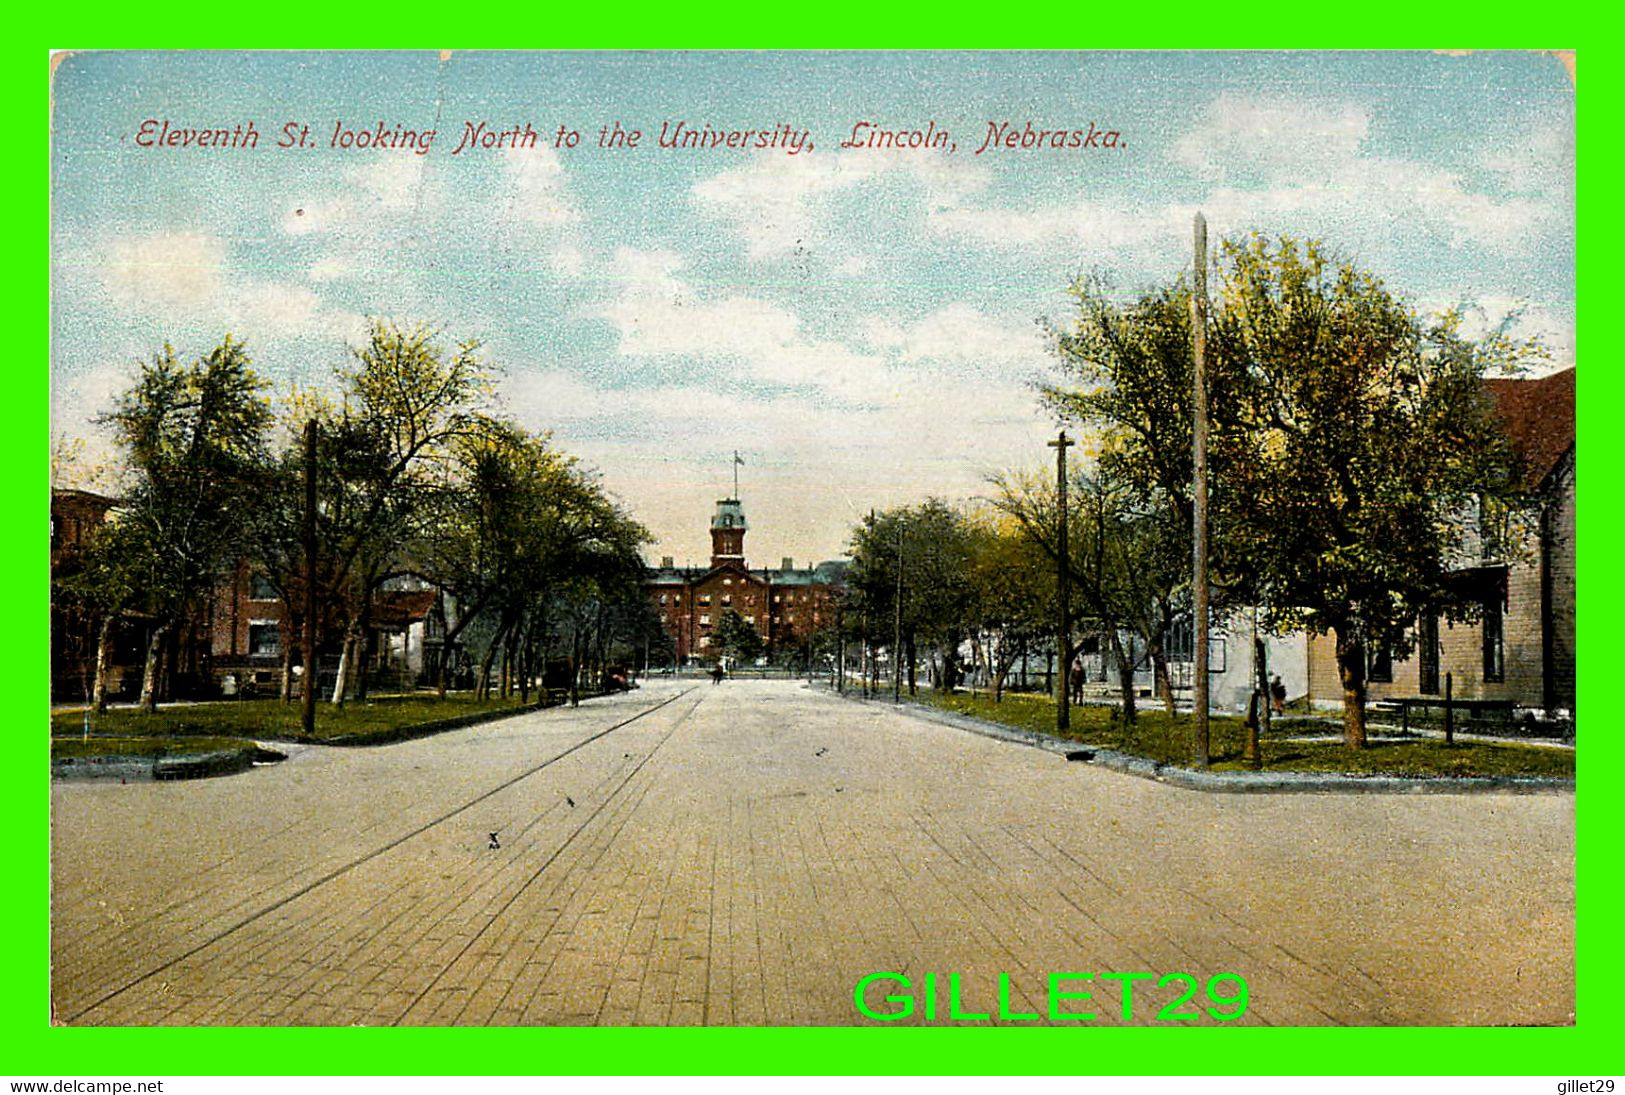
[{"x": 813, "y": 539}]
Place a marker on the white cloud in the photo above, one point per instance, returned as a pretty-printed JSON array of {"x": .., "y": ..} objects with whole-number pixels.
[
  {"x": 173, "y": 269},
  {"x": 315, "y": 218},
  {"x": 1532, "y": 159},
  {"x": 1283, "y": 137},
  {"x": 184, "y": 278},
  {"x": 1522, "y": 319},
  {"x": 332, "y": 268},
  {"x": 775, "y": 203},
  {"x": 658, "y": 315},
  {"x": 394, "y": 182},
  {"x": 962, "y": 336},
  {"x": 1273, "y": 164},
  {"x": 534, "y": 182},
  {"x": 931, "y": 406},
  {"x": 568, "y": 259}
]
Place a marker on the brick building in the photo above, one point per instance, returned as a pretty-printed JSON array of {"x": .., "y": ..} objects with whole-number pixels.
[
  {"x": 786, "y": 605},
  {"x": 1523, "y": 649},
  {"x": 235, "y": 640}
]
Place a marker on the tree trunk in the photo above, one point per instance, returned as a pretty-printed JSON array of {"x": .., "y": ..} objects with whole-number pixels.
[
  {"x": 104, "y": 651},
  {"x": 1159, "y": 671},
  {"x": 346, "y": 657},
  {"x": 482, "y": 687},
  {"x": 1351, "y": 670},
  {"x": 1261, "y": 660},
  {"x": 1000, "y": 674},
  {"x": 149, "y": 674},
  {"x": 575, "y": 665},
  {"x": 285, "y": 685},
  {"x": 526, "y": 646},
  {"x": 450, "y": 637},
  {"x": 1125, "y": 675},
  {"x": 362, "y": 631}
]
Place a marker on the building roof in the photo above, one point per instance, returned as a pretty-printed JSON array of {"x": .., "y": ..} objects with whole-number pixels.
[
  {"x": 1538, "y": 416},
  {"x": 399, "y": 607},
  {"x": 74, "y": 497},
  {"x": 826, "y": 573},
  {"x": 831, "y": 572},
  {"x": 730, "y": 514}
]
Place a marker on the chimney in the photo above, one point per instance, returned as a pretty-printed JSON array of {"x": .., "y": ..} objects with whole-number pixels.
[
  {"x": 789, "y": 564},
  {"x": 665, "y": 562}
]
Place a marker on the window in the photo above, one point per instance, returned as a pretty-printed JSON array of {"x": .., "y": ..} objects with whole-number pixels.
[
  {"x": 705, "y": 640},
  {"x": 705, "y": 598},
  {"x": 1381, "y": 669},
  {"x": 260, "y": 588},
  {"x": 1427, "y": 656},
  {"x": 1494, "y": 640},
  {"x": 662, "y": 598},
  {"x": 778, "y": 597},
  {"x": 264, "y": 638},
  {"x": 727, "y": 599},
  {"x": 727, "y": 581},
  {"x": 705, "y": 620},
  {"x": 751, "y": 620}
]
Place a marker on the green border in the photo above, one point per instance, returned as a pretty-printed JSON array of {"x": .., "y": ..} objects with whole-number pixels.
[{"x": 35, "y": 1048}]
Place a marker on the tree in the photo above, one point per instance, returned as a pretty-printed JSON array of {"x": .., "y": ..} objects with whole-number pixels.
[
  {"x": 384, "y": 465},
  {"x": 194, "y": 439},
  {"x": 1124, "y": 564},
  {"x": 1349, "y": 438},
  {"x": 1367, "y": 436},
  {"x": 1014, "y": 592},
  {"x": 736, "y": 639},
  {"x": 926, "y": 550},
  {"x": 105, "y": 581}
]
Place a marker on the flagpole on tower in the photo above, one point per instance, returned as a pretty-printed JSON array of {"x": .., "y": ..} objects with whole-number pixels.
[{"x": 738, "y": 460}]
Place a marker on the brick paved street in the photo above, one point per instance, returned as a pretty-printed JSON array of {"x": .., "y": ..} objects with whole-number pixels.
[{"x": 745, "y": 853}]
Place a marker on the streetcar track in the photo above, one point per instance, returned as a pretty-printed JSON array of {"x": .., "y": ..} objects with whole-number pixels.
[
  {"x": 358, "y": 861},
  {"x": 548, "y": 862}
]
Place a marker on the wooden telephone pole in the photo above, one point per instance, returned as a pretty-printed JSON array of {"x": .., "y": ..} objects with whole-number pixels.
[
  {"x": 1063, "y": 590},
  {"x": 1199, "y": 532},
  {"x": 307, "y": 718}
]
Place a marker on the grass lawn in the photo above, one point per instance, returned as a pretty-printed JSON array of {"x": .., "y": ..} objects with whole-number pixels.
[
  {"x": 144, "y": 747},
  {"x": 275, "y": 719},
  {"x": 1168, "y": 740}
]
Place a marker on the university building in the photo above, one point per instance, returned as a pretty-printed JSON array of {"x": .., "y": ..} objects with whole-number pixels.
[{"x": 785, "y": 605}]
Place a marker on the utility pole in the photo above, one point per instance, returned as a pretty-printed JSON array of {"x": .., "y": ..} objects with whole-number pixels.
[
  {"x": 897, "y": 625},
  {"x": 307, "y": 718},
  {"x": 1199, "y": 461},
  {"x": 1063, "y": 587}
]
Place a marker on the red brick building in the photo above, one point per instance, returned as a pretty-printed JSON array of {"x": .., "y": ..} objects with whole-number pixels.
[{"x": 785, "y": 605}]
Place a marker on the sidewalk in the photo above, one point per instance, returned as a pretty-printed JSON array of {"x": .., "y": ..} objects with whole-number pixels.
[{"x": 1224, "y": 782}]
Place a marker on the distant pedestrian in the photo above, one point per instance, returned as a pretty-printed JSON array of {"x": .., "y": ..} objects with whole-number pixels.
[
  {"x": 1078, "y": 677},
  {"x": 1278, "y": 695},
  {"x": 716, "y": 674}
]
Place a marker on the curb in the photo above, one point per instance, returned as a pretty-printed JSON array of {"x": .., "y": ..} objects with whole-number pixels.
[
  {"x": 421, "y": 729},
  {"x": 1231, "y": 782},
  {"x": 174, "y": 767}
]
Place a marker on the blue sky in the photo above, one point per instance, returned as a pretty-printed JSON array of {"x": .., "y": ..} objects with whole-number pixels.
[{"x": 860, "y": 324}]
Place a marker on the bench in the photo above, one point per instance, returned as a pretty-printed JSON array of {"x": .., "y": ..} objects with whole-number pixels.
[{"x": 1480, "y": 710}]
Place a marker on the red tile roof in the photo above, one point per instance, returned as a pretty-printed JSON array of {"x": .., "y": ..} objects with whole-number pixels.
[{"x": 1539, "y": 418}]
